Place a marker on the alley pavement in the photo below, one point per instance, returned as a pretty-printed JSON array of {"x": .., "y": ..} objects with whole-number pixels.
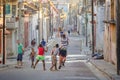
[{"x": 76, "y": 68}]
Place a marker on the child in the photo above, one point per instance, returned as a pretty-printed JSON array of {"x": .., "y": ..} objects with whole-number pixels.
[
  {"x": 40, "y": 56},
  {"x": 62, "y": 56},
  {"x": 32, "y": 57},
  {"x": 54, "y": 53}
]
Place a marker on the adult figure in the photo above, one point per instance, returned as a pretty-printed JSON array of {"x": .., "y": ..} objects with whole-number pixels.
[
  {"x": 40, "y": 56},
  {"x": 20, "y": 54}
]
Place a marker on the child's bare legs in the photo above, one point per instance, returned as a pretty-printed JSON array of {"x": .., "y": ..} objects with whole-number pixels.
[
  {"x": 32, "y": 62},
  {"x": 32, "y": 65},
  {"x": 54, "y": 65},
  {"x": 63, "y": 61},
  {"x": 60, "y": 61},
  {"x": 21, "y": 63},
  {"x": 18, "y": 63},
  {"x": 43, "y": 61},
  {"x": 36, "y": 63}
]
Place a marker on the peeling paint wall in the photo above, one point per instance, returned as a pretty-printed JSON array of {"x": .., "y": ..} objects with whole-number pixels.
[{"x": 110, "y": 33}]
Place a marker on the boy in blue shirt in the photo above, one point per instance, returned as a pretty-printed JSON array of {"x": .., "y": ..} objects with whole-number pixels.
[{"x": 20, "y": 53}]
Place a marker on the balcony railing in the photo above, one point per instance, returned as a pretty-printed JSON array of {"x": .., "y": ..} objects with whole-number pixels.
[{"x": 11, "y": 23}]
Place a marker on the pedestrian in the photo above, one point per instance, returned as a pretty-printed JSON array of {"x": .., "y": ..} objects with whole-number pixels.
[
  {"x": 33, "y": 42},
  {"x": 68, "y": 32},
  {"x": 63, "y": 50},
  {"x": 40, "y": 56},
  {"x": 32, "y": 57},
  {"x": 43, "y": 42},
  {"x": 78, "y": 32},
  {"x": 61, "y": 33},
  {"x": 54, "y": 53},
  {"x": 20, "y": 54},
  {"x": 64, "y": 41}
]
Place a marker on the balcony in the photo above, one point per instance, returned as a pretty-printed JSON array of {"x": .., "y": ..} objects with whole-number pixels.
[
  {"x": 112, "y": 21},
  {"x": 11, "y": 23}
]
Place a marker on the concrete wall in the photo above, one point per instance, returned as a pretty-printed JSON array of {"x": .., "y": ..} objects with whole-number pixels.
[
  {"x": 33, "y": 32},
  {"x": 11, "y": 42},
  {"x": 100, "y": 27},
  {"x": 110, "y": 34}
]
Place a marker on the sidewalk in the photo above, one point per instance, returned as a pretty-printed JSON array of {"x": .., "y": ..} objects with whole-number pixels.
[{"x": 107, "y": 68}]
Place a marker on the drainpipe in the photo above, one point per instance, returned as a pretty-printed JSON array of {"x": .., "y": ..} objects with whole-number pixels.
[
  {"x": 4, "y": 55},
  {"x": 50, "y": 20},
  {"x": 118, "y": 35},
  {"x": 86, "y": 21}
]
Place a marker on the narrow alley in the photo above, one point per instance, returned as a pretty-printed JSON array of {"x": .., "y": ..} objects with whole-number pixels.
[{"x": 85, "y": 34}]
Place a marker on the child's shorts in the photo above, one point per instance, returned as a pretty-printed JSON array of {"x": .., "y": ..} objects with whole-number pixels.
[{"x": 40, "y": 57}]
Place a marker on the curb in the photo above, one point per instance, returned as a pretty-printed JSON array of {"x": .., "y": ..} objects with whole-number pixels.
[
  {"x": 106, "y": 74},
  {"x": 5, "y": 67},
  {"x": 110, "y": 76}
]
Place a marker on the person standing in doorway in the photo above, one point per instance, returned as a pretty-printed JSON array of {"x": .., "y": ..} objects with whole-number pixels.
[
  {"x": 40, "y": 56},
  {"x": 20, "y": 54}
]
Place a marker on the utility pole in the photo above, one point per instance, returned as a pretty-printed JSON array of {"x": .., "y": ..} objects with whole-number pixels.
[
  {"x": 118, "y": 35},
  {"x": 52, "y": 23},
  {"x": 92, "y": 3},
  {"x": 86, "y": 22},
  {"x": 39, "y": 22},
  {"x": 70, "y": 22},
  {"x": 4, "y": 55},
  {"x": 50, "y": 20},
  {"x": 20, "y": 24},
  {"x": 42, "y": 19}
]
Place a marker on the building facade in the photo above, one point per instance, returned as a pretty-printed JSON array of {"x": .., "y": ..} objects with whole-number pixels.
[{"x": 110, "y": 32}]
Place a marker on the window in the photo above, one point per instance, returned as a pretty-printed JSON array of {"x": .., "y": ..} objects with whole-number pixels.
[{"x": 7, "y": 9}]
